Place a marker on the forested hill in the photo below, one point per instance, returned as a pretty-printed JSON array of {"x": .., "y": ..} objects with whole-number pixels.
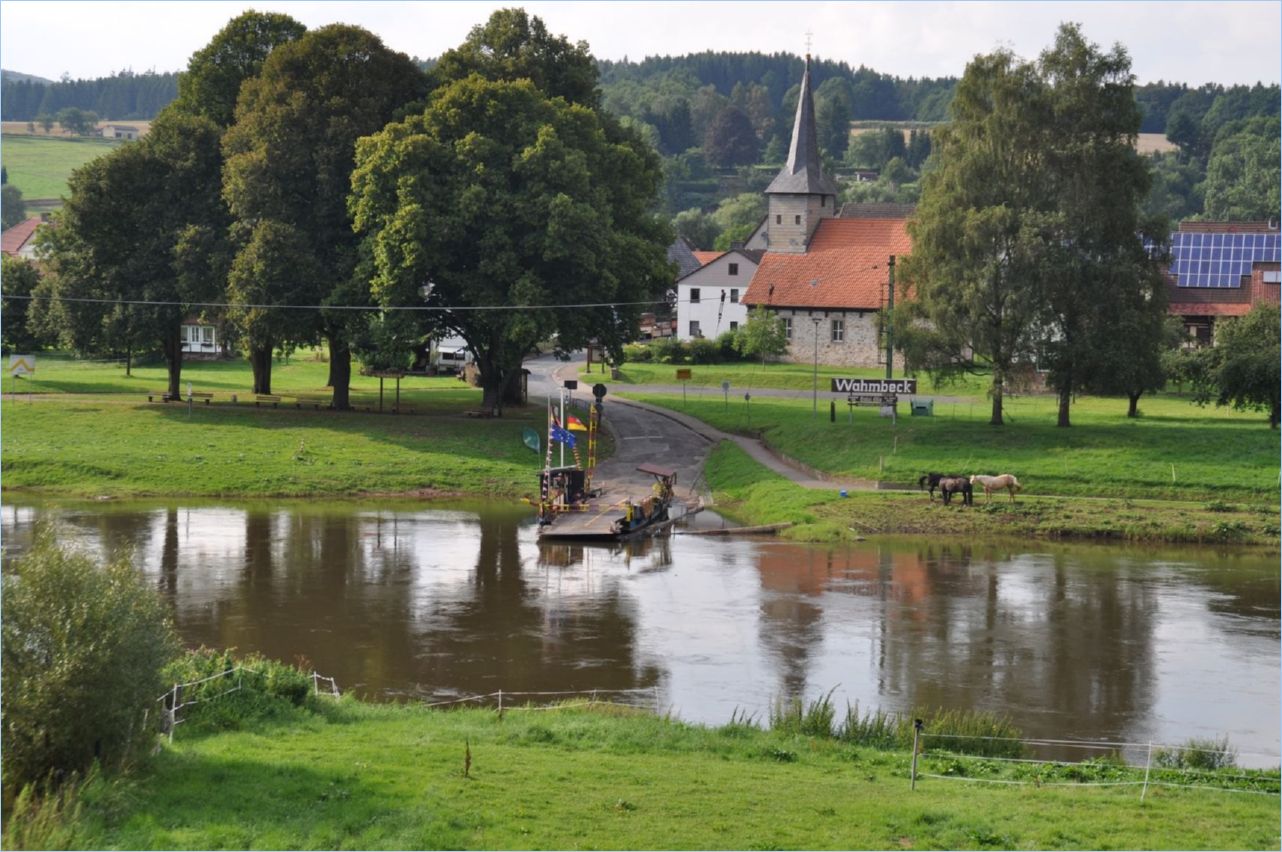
[{"x": 124, "y": 95}]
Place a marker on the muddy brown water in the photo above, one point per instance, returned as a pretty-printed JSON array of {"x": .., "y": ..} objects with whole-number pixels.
[{"x": 398, "y": 601}]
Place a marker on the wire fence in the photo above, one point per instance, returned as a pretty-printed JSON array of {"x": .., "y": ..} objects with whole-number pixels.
[
  {"x": 189, "y": 694},
  {"x": 1157, "y": 765}
]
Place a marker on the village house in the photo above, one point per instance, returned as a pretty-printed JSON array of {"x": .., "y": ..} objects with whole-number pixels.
[
  {"x": 710, "y": 299},
  {"x": 1221, "y": 270},
  {"x": 18, "y": 241}
]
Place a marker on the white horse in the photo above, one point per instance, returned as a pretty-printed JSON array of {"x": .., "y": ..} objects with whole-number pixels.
[{"x": 996, "y": 483}]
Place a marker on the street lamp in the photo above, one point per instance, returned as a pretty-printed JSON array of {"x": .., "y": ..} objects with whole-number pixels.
[{"x": 815, "y": 411}]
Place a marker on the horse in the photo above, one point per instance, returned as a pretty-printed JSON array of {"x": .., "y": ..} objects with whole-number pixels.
[
  {"x": 996, "y": 483},
  {"x": 933, "y": 479},
  {"x": 950, "y": 485}
]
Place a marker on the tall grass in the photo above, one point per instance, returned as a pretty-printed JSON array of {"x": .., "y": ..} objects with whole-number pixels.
[
  {"x": 1195, "y": 753},
  {"x": 973, "y": 732}
]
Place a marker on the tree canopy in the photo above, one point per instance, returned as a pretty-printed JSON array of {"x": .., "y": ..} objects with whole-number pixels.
[{"x": 497, "y": 195}]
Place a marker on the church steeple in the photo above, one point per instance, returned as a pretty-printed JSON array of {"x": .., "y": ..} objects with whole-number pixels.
[
  {"x": 803, "y": 173},
  {"x": 800, "y": 196}
]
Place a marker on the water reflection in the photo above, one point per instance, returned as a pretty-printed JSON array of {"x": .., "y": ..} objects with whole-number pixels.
[{"x": 399, "y": 601}]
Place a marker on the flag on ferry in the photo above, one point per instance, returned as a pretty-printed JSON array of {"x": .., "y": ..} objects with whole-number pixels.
[{"x": 575, "y": 423}]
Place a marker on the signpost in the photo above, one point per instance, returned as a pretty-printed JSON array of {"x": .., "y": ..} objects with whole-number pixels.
[
  {"x": 684, "y": 375},
  {"x": 725, "y": 391},
  {"x": 21, "y": 365}
]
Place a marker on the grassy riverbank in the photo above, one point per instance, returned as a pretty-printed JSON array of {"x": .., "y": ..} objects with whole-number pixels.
[
  {"x": 750, "y": 494},
  {"x": 396, "y": 777},
  {"x": 1176, "y": 451}
]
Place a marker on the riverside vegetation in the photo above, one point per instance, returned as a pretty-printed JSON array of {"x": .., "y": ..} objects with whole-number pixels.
[{"x": 273, "y": 767}]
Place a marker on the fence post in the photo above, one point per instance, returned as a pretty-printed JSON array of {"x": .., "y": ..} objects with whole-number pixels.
[
  {"x": 1148, "y": 764},
  {"x": 916, "y": 735},
  {"x": 500, "y": 704},
  {"x": 173, "y": 714},
  {"x": 315, "y": 683}
]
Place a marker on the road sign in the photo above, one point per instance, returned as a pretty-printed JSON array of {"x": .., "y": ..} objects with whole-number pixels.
[
  {"x": 908, "y": 386},
  {"x": 725, "y": 385},
  {"x": 684, "y": 375},
  {"x": 20, "y": 365}
]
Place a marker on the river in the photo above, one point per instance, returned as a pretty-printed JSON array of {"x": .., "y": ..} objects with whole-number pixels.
[{"x": 398, "y": 601}]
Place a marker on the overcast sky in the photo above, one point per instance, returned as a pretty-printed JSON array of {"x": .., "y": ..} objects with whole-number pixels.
[{"x": 1198, "y": 42}]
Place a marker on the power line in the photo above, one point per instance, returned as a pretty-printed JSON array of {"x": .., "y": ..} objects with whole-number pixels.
[{"x": 429, "y": 308}]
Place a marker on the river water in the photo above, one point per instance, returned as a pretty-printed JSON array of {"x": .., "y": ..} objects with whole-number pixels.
[{"x": 399, "y": 601}]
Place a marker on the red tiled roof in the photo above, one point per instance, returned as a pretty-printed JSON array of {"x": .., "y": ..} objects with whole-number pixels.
[
  {"x": 1209, "y": 309},
  {"x": 844, "y": 267},
  {"x": 12, "y": 240},
  {"x": 706, "y": 257}
]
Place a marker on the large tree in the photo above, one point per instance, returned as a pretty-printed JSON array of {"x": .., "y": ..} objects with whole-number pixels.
[
  {"x": 1096, "y": 275},
  {"x": 289, "y": 162},
  {"x": 1245, "y": 365},
  {"x": 523, "y": 217},
  {"x": 512, "y": 45},
  {"x": 20, "y": 281},
  {"x": 974, "y": 268},
  {"x": 215, "y": 73},
  {"x": 730, "y": 139},
  {"x": 119, "y": 263}
]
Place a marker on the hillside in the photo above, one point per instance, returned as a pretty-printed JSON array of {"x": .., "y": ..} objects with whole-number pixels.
[{"x": 18, "y": 77}]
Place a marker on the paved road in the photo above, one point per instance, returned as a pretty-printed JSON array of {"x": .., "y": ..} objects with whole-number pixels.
[{"x": 646, "y": 433}]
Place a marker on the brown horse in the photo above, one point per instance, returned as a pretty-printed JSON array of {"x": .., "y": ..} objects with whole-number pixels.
[
  {"x": 950, "y": 485},
  {"x": 996, "y": 483}
]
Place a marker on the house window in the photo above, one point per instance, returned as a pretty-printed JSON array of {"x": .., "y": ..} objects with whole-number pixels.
[
  {"x": 734, "y": 269},
  {"x": 787, "y": 328},
  {"x": 694, "y": 295},
  {"x": 778, "y": 219},
  {"x": 838, "y": 330},
  {"x": 734, "y": 326},
  {"x": 694, "y": 329},
  {"x": 734, "y": 295},
  {"x": 207, "y": 334},
  {"x": 797, "y": 219}
]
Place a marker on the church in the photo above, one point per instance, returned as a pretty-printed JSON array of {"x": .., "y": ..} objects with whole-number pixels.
[{"x": 823, "y": 269}]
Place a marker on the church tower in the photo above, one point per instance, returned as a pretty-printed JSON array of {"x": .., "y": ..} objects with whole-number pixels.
[{"x": 800, "y": 195}]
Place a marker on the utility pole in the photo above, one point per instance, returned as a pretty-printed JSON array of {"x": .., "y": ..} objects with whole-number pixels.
[{"x": 890, "y": 317}]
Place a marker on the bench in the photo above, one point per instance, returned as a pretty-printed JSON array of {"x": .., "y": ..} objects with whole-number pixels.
[
  {"x": 260, "y": 398},
  {"x": 164, "y": 396},
  {"x": 316, "y": 402}
]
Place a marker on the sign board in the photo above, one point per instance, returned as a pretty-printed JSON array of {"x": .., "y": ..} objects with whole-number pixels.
[
  {"x": 874, "y": 386},
  {"x": 684, "y": 375},
  {"x": 725, "y": 385},
  {"x": 21, "y": 365},
  {"x": 571, "y": 384}
]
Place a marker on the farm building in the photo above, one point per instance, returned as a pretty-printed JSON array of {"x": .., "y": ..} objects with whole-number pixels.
[
  {"x": 120, "y": 131},
  {"x": 1220, "y": 270}
]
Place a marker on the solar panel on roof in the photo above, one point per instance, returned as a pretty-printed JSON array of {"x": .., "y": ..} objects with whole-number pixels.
[{"x": 1220, "y": 260}]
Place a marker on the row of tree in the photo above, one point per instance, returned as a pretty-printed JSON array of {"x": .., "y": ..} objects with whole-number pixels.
[
  {"x": 124, "y": 95},
  {"x": 324, "y": 188}
]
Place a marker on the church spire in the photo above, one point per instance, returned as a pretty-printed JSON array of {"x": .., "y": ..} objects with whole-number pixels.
[{"x": 803, "y": 173}]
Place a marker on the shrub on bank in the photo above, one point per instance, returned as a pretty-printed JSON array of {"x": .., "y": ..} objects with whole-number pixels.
[
  {"x": 229, "y": 693},
  {"x": 83, "y": 649}
]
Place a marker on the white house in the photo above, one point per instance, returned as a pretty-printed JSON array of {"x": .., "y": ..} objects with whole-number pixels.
[
  {"x": 120, "y": 131},
  {"x": 709, "y": 299},
  {"x": 199, "y": 338}
]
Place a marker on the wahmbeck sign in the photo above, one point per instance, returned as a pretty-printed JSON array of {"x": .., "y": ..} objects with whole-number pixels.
[{"x": 874, "y": 386}]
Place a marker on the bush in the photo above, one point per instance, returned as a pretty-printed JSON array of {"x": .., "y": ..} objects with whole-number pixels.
[
  {"x": 704, "y": 351},
  {"x": 1209, "y": 754},
  {"x": 83, "y": 650},
  {"x": 262, "y": 688},
  {"x": 728, "y": 347},
  {"x": 670, "y": 350},
  {"x": 637, "y": 353}
]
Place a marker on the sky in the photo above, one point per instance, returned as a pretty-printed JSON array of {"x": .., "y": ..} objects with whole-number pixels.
[{"x": 1188, "y": 42}]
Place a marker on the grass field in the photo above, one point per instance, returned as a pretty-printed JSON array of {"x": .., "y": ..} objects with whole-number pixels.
[
  {"x": 393, "y": 777},
  {"x": 115, "y": 442},
  {"x": 40, "y": 166},
  {"x": 1175, "y": 451},
  {"x": 752, "y": 376}
]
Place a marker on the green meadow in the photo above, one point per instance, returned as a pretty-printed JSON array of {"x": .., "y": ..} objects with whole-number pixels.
[
  {"x": 357, "y": 776},
  {"x": 40, "y": 166}
]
